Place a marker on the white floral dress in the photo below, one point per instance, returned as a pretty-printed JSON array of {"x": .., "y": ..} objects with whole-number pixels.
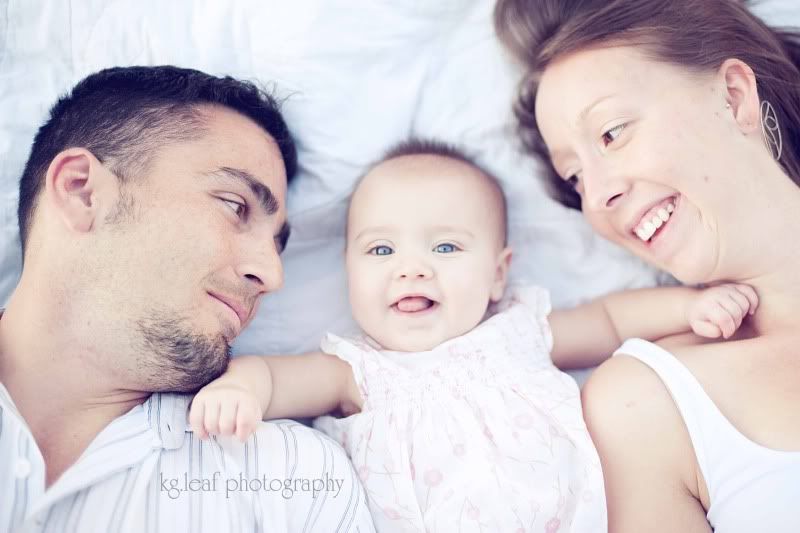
[{"x": 482, "y": 433}]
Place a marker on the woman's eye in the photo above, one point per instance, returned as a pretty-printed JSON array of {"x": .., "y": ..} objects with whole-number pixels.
[
  {"x": 238, "y": 208},
  {"x": 612, "y": 134},
  {"x": 573, "y": 181},
  {"x": 445, "y": 248},
  {"x": 381, "y": 250}
]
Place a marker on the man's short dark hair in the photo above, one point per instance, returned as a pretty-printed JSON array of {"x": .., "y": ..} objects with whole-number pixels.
[{"x": 123, "y": 115}]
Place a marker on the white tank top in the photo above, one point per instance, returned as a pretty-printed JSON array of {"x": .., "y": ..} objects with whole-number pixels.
[{"x": 751, "y": 488}]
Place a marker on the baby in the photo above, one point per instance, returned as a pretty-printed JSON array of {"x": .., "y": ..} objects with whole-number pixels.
[{"x": 453, "y": 413}]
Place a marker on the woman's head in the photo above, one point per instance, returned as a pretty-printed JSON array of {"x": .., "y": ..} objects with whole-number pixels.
[{"x": 649, "y": 107}]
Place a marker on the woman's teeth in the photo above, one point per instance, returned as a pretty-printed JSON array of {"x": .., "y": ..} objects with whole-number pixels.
[{"x": 648, "y": 227}]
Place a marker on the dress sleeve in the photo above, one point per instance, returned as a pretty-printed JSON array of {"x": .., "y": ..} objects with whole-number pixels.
[
  {"x": 354, "y": 354},
  {"x": 535, "y": 301}
]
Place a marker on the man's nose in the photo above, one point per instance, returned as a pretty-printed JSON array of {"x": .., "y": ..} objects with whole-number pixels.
[{"x": 262, "y": 268}]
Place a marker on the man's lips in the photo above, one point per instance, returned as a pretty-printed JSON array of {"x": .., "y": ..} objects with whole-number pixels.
[{"x": 242, "y": 311}]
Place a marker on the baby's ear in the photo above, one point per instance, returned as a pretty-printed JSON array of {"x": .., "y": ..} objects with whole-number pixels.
[{"x": 500, "y": 275}]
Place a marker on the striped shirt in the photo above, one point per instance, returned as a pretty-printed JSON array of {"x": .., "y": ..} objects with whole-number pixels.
[{"x": 146, "y": 471}]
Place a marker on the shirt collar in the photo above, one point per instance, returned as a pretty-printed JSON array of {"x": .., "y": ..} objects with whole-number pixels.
[{"x": 167, "y": 415}]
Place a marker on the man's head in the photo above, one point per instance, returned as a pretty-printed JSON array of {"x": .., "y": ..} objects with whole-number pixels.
[
  {"x": 152, "y": 209},
  {"x": 426, "y": 249}
]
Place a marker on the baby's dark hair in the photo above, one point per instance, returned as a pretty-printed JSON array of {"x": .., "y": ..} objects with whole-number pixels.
[{"x": 429, "y": 146}]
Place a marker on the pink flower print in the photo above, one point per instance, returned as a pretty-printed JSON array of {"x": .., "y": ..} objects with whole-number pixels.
[
  {"x": 523, "y": 421},
  {"x": 391, "y": 513},
  {"x": 473, "y": 513},
  {"x": 433, "y": 477},
  {"x": 458, "y": 450},
  {"x": 552, "y": 525}
]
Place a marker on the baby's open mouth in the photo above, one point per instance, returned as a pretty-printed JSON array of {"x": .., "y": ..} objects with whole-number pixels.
[{"x": 414, "y": 304}]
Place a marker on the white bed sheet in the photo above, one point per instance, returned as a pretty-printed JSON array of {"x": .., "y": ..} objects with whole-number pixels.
[{"x": 357, "y": 76}]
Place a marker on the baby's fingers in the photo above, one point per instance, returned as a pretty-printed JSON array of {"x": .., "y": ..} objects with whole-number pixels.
[
  {"x": 211, "y": 418},
  {"x": 724, "y": 315},
  {"x": 247, "y": 418},
  {"x": 705, "y": 328},
  {"x": 196, "y": 415},
  {"x": 750, "y": 293},
  {"x": 227, "y": 417}
]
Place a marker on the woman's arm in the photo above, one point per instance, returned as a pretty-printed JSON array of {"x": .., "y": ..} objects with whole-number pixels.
[{"x": 652, "y": 479}]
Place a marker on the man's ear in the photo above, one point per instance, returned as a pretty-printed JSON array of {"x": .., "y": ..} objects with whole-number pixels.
[
  {"x": 741, "y": 94},
  {"x": 79, "y": 187},
  {"x": 501, "y": 275}
]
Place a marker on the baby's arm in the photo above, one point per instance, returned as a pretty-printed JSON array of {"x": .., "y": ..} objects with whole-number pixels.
[
  {"x": 266, "y": 387},
  {"x": 588, "y": 334}
]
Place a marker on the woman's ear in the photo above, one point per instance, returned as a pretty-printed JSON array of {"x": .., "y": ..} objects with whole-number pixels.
[
  {"x": 78, "y": 187},
  {"x": 741, "y": 94},
  {"x": 501, "y": 275}
]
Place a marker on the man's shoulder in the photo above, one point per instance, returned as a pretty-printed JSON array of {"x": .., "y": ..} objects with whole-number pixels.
[{"x": 288, "y": 442}]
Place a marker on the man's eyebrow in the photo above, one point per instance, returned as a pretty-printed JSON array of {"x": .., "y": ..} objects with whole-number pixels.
[{"x": 266, "y": 199}]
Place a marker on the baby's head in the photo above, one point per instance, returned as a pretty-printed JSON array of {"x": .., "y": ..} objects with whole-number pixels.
[{"x": 426, "y": 246}]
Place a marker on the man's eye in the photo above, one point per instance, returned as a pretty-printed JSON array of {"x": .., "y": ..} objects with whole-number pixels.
[
  {"x": 238, "y": 208},
  {"x": 380, "y": 250},
  {"x": 445, "y": 248},
  {"x": 612, "y": 134}
]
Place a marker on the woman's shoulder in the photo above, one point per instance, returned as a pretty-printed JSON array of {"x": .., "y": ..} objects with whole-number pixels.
[{"x": 637, "y": 427}]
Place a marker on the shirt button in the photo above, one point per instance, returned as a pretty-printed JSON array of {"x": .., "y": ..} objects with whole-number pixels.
[{"x": 22, "y": 468}]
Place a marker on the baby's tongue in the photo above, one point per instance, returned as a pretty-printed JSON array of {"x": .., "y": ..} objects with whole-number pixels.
[{"x": 413, "y": 304}]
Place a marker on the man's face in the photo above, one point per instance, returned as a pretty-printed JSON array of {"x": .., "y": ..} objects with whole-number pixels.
[{"x": 197, "y": 246}]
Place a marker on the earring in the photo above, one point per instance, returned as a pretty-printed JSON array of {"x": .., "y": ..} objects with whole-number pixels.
[{"x": 771, "y": 130}]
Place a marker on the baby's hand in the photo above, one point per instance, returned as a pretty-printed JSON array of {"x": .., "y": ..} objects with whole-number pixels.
[
  {"x": 719, "y": 310},
  {"x": 225, "y": 407}
]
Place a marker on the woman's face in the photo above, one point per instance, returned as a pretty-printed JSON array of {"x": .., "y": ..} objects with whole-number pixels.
[{"x": 652, "y": 150}]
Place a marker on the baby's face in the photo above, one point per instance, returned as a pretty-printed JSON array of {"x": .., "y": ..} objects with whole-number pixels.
[{"x": 425, "y": 252}]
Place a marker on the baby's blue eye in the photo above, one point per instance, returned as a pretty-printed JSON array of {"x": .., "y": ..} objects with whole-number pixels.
[
  {"x": 381, "y": 250},
  {"x": 445, "y": 248}
]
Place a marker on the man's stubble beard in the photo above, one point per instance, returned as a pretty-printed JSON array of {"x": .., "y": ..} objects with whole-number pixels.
[{"x": 178, "y": 360}]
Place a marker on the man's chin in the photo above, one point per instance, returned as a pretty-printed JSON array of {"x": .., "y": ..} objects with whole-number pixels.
[{"x": 182, "y": 361}]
